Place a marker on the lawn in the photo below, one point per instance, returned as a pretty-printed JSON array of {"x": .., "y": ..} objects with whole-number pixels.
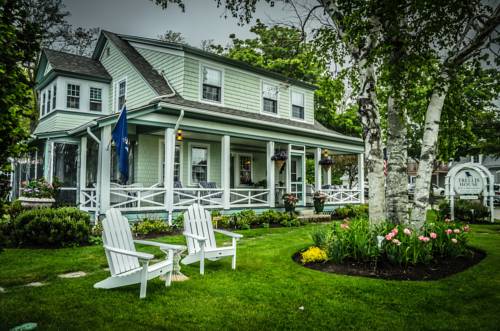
[{"x": 265, "y": 292}]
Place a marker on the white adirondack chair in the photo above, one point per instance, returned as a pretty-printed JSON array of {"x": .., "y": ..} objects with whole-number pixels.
[
  {"x": 200, "y": 238},
  {"x": 126, "y": 265}
]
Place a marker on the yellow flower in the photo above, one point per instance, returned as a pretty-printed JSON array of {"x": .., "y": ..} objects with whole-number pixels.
[{"x": 313, "y": 254}]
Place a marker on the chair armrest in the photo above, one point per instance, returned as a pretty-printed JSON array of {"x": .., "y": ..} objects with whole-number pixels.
[
  {"x": 161, "y": 245},
  {"x": 230, "y": 234},
  {"x": 142, "y": 256},
  {"x": 190, "y": 235}
]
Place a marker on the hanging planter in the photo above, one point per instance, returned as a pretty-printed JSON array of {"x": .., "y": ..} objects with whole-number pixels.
[
  {"x": 279, "y": 158},
  {"x": 326, "y": 163}
]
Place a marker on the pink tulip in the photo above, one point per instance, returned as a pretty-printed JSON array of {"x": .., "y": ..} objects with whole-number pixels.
[
  {"x": 433, "y": 235},
  {"x": 395, "y": 231},
  {"x": 448, "y": 231},
  {"x": 407, "y": 231},
  {"x": 344, "y": 226},
  {"x": 389, "y": 236}
]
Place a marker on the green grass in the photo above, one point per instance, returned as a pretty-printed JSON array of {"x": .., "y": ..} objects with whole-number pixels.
[{"x": 265, "y": 292}]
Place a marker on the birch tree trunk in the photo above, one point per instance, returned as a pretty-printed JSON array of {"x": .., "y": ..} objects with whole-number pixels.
[
  {"x": 397, "y": 155},
  {"x": 372, "y": 136},
  {"x": 428, "y": 153}
]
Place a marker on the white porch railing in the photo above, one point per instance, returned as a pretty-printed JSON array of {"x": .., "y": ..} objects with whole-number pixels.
[
  {"x": 208, "y": 197},
  {"x": 88, "y": 199},
  {"x": 342, "y": 196},
  {"x": 249, "y": 197},
  {"x": 137, "y": 198}
]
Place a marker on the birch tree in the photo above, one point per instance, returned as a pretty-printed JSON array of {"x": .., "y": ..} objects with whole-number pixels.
[{"x": 475, "y": 34}]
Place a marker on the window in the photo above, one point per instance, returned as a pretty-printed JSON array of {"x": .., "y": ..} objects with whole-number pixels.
[
  {"x": 54, "y": 93},
  {"x": 298, "y": 105},
  {"x": 212, "y": 84},
  {"x": 122, "y": 92},
  {"x": 270, "y": 98},
  {"x": 245, "y": 169},
  {"x": 95, "y": 99},
  {"x": 177, "y": 162},
  {"x": 43, "y": 103},
  {"x": 199, "y": 164},
  {"x": 73, "y": 96},
  {"x": 49, "y": 98}
]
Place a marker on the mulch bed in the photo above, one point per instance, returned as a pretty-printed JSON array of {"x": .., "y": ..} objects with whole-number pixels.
[{"x": 438, "y": 269}]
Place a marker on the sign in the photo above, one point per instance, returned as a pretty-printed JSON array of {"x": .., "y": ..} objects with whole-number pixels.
[
  {"x": 468, "y": 181},
  {"x": 469, "y": 197}
]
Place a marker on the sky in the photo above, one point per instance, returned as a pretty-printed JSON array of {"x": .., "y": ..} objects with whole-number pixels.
[{"x": 202, "y": 20}]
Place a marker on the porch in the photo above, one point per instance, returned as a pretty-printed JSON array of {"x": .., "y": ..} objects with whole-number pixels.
[{"x": 216, "y": 170}]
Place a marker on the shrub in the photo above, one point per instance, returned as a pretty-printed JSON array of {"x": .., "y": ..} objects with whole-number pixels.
[
  {"x": 320, "y": 237},
  {"x": 313, "y": 254},
  {"x": 351, "y": 211},
  {"x": 245, "y": 218},
  {"x": 178, "y": 222},
  {"x": 51, "y": 227},
  {"x": 147, "y": 226},
  {"x": 465, "y": 210},
  {"x": 270, "y": 216}
]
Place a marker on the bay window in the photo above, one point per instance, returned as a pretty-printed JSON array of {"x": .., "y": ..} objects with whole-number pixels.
[{"x": 73, "y": 96}]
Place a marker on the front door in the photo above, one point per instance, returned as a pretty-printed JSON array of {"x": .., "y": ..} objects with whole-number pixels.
[{"x": 297, "y": 176}]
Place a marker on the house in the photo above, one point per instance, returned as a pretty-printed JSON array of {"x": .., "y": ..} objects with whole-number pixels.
[
  {"x": 201, "y": 128},
  {"x": 438, "y": 174}
]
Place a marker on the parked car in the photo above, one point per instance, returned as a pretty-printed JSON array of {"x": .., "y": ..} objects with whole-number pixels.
[{"x": 437, "y": 191}]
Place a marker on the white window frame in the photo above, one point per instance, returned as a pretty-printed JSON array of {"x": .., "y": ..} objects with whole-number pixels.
[
  {"x": 190, "y": 166},
  {"x": 54, "y": 96},
  {"x": 79, "y": 95},
  {"x": 48, "y": 104},
  {"x": 43, "y": 103},
  {"x": 237, "y": 168},
  {"x": 200, "y": 87},
  {"x": 161, "y": 159},
  {"x": 90, "y": 98},
  {"x": 116, "y": 93},
  {"x": 292, "y": 91},
  {"x": 262, "y": 98}
]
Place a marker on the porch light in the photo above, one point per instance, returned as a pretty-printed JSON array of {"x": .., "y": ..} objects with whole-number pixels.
[{"x": 178, "y": 135}]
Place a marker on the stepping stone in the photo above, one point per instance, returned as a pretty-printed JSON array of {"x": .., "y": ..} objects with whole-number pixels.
[
  {"x": 76, "y": 274},
  {"x": 35, "y": 284}
]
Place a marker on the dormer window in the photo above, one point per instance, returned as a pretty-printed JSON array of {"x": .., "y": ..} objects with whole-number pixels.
[
  {"x": 212, "y": 84},
  {"x": 269, "y": 98},
  {"x": 298, "y": 105},
  {"x": 73, "y": 96}
]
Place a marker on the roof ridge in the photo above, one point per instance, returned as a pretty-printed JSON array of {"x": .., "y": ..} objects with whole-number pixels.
[{"x": 46, "y": 49}]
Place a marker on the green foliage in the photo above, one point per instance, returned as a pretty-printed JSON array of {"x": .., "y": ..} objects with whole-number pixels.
[
  {"x": 320, "y": 237},
  {"x": 39, "y": 188},
  {"x": 351, "y": 211},
  {"x": 178, "y": 222},
  {"x": 51, "y": 227},
  {"x": 270, "y": 216},
  {"x": 245, "y": 218},
  {"x": 151, "y": 226},
  {"x": 468, "y": 211}
]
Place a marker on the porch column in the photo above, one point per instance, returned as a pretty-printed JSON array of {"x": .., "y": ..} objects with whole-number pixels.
[
  {"x": 361, "y": 176},
  {"x": 288, "y": 169},
  {"x": 317, "y": 170},
  {"x": 83, "y": 167},
  {"x": 168, "y": 178},
  {"x": 225, "y": 168},
  {"x": 270, "y": 174},
  {"x": 105, "y": 170},
  {"x": 328, "y": 175}
]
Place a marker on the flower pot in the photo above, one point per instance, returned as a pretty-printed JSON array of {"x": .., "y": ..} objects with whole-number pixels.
[
  {"x": 289, "y": 207},
  {"x": 318, "y": 206},
  {"x": 32, "y": 203},
  {"x": 279, "y": 163}
]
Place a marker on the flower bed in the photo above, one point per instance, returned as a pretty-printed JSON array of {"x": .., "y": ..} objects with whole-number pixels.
[{"x": 395, "y": 252}]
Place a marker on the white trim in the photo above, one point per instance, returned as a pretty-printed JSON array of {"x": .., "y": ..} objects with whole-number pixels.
[
  {"x": 161, "y": 157},
  {"x": 91, "y": 86},
  {"x": 237, "y": 169},
  {"x": 200, "y": 85},
  {"x": 116, "y": 93},
  {"x": 156, "y": 48},
  {"x": 70, "y": 82},
  {"x": 268, "y": 82},
  {"x": 190, "y": 168}
]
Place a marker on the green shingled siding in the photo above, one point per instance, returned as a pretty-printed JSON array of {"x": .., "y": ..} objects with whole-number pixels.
[
  {"x": 172, "y": 65},
  {"x": 147, "y": 159},
  {"x": 191, "y": 79},
  {"x": 138, "y": 91},
  {"x": 241, "y": 91}
]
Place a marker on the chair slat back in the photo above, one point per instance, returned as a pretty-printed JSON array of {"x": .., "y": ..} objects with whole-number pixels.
[
  {"x": 116, "y": 233},
  {"x": 198, "y": 221}
]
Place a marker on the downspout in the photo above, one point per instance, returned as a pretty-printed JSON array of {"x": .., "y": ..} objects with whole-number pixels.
[
  {"x": 99, "y": 170},
  {"x": 176, "y": 127}
]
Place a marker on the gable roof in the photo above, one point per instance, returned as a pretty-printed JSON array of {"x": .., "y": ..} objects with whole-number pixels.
[
  {"x": 75, "y": 64},
  {"x": 154, "y": 79}
]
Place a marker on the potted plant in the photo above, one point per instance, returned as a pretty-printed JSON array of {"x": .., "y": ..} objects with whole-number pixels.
[
  {"x": 326, "y": 163},
  {"x": 290, "y": 201},
  {"x": 319, "y": 199},
  {"x": 279, "y": 158},
  {"x": 37, "y": 193}
]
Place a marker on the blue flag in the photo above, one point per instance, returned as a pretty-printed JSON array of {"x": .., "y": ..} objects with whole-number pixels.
[{"x": 120, "y": 137}]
